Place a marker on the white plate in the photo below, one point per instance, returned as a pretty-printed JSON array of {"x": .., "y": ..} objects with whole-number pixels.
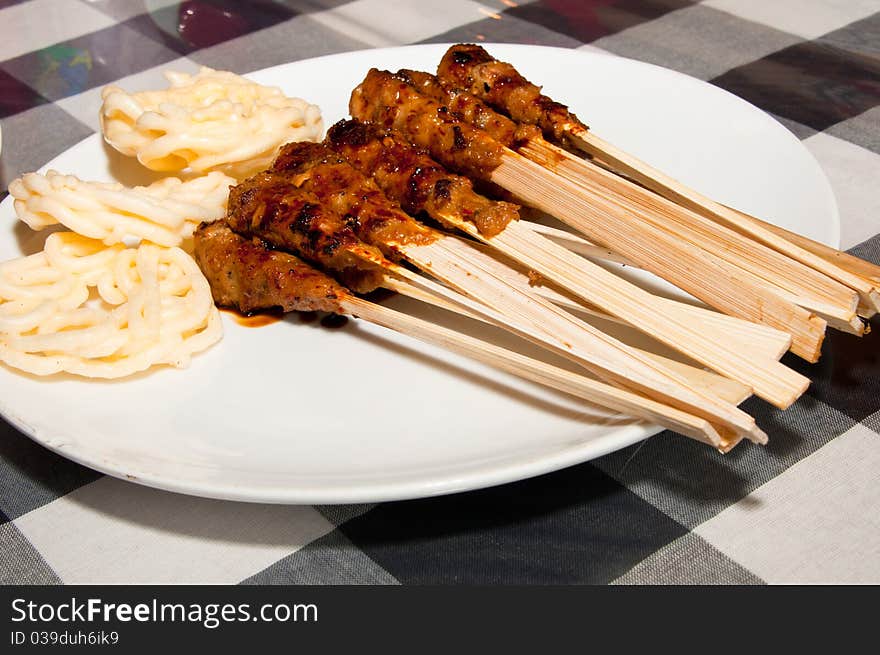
[{"x": 292, "y": 413}]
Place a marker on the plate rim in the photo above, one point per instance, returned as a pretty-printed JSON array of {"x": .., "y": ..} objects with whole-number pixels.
[
  {"x": 478, "y": 479},
  {"x": 483, "y": 477}
]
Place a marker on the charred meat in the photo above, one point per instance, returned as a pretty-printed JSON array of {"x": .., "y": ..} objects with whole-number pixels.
[
  {"x": 393, "y": 103},
  {"x": 410, "y": 177},
  {"x": 270, "y": 207},
  {"x": 317, "y": 170},
  {"x": 470, "y": 109},
  {"x": 471, "y": 68},
  {"x": 248, "y": 276}
]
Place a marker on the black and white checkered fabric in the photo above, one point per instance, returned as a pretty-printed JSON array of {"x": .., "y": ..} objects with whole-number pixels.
[{"x": 804, "y": 509}]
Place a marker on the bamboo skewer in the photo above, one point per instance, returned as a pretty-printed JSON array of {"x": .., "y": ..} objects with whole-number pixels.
[
  {"x": 856, "y": 266},
  {"x": 704, "y": 382},
  {"x": 497, "y": 83},
  {"x": 446, "y": 258},
  {"x": 426, "y": 290},
  {"x": 578, "y": 244},
  {"x": 724, "y": 388},
  {"x": 829, "y": 313},
  {"x": 757, "y": 338},
  {"x": 765, "y": 345},
  {"x": 540, "y": 372},
  {"x": 864, "y": 269},
  {"x": 636, "y": 307},
  {"x": 247, "y": 274},
  {"x": 715, "y": 282},
  {"x": 811, "y": 288},
  {"x": 396, "y": 103},
  {"x": 674, "y": 190},
  {"x": 539, "y": 321}
]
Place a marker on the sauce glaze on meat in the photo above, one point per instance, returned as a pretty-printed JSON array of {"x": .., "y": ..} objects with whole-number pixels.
[
  {"x": 316, "y": 169},
  {"x": 410, "y": 177},
  {"x": 269, "y": 206},
  {"x": 393, "y": 103},
  {"x": 247, "y": 275},
  {"x": 498, "y": 83}
]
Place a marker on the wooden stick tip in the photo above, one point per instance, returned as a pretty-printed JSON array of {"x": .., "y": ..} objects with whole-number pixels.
[{"x": 758, "y": 436}]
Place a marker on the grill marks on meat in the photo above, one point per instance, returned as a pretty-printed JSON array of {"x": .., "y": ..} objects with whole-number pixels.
[
  {"x": 393, "y": 103},
  {"x": 410, "y": 177},
  {"x": 319, "y": 202},
  {"x": 295, "y": 154},
  {"x": 471, "y": 68},
  {"x": 269, "y": 207},
  {"x": 470, "y": 109},
  {"x": 247, "y": 275},
  {"x": 316, "y": 205},
  {"x": 404, "y": 173},
  {"x": 346, "y": 191}
]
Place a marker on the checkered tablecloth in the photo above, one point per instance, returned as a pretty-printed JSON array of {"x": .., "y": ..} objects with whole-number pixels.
[{"x": 804, "y": 509}]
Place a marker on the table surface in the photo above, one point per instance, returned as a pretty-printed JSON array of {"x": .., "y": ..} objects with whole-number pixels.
[{"x": 803, "y": 509}]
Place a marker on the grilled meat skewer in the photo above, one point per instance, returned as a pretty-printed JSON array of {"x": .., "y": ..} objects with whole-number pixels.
[
  {"x": 499, "y": 84},
  {"x": 471, "y": 68},
  {"x": 316, "y": 169},
  {"x": 392, "y": 102},
  {"x": 268, "y": 207},
  {"x": 246, "y": 274},
  {"x": 469, "y": 108},
  {"x": 411, "y": 177},
  {"x": 814, "y": 291}
]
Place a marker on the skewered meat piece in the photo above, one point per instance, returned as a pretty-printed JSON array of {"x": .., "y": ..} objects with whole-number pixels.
[
  {"x": 294, "y": 154},
  {"x": 316, "y": 169},
  {"x": 467, "y": 107},
  {"x": 393, "y": 103},
  {"x": 367, "y": 211},
  {"x": 414, "y": 180},
  {"x": 607, "y": 222},
  {"x": 247, "y": 275},
  {"x": 498, "y": 83},
  {"x": 269, "y": 207}
]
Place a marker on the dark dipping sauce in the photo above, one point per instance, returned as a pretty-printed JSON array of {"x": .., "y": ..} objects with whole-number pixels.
[
  {"x": 255, "y": 319},
  {"x": 270, "y": 316},
  {"x": 334, "y": 321}
]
